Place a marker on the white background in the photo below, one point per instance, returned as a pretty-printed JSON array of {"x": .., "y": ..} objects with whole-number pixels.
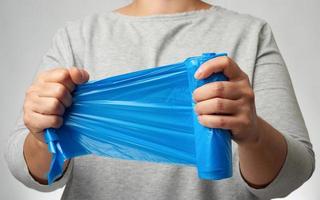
[{"x": 27, "y": 26}]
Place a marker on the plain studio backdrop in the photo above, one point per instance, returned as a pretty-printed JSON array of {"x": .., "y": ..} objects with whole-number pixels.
[{"x": 27, "y": 27}]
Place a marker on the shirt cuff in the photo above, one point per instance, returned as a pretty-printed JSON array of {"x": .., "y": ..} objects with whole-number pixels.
[
  {"x": 297, "y": 169},
  {"x": 19, "y": 169}
]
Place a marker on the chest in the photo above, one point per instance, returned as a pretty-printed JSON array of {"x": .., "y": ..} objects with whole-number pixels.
[{"x": 119, "y": 50}]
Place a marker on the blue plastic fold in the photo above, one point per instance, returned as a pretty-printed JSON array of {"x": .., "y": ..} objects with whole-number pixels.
[{"x": 145, "y": 115}]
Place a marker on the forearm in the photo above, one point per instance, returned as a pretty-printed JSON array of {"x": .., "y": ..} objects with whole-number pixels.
[
  {"x": 38, "y": 158},
  {"x": 261, "y": 161}
]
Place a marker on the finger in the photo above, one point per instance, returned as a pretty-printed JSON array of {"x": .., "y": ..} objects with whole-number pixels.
[
  {"x": 36, "y": 122},
  {"x": 48, "y": 106},
  {"x": 222, "y": 89},
  {"x": 57, "y": 75},
  {"x": 220, "y": 64},
  {"x": 217, "y": 106},
  {"x": 54, "y": 90},
  {"x": 78, "y": 75},
  {"x": 218, "y": 121}
]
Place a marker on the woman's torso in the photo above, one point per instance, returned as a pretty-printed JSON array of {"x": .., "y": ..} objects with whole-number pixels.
[{"x": 109, "y": 44}]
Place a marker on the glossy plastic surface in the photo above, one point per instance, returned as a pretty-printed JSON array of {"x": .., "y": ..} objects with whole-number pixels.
[{"x": 145, "y": 115}]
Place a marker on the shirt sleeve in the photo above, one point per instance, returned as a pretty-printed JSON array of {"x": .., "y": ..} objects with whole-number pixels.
[
  {"x": 58, "y": 55},
  {"x": 276, "y": 103}
]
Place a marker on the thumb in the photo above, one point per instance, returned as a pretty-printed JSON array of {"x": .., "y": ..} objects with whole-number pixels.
[{"x": 78, "y": 75}]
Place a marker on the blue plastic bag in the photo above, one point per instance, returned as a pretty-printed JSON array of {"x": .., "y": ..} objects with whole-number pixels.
[{"x": 144, "y": 115}]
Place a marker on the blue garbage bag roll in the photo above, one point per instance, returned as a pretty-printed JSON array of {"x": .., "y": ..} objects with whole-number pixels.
[{"x": 145, "y": 115}]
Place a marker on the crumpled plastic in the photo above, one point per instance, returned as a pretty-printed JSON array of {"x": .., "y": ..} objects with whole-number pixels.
[{"x": 145, "y": 115}]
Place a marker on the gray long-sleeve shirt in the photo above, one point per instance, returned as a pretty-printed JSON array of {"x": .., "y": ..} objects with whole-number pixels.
[{"x": 110, "y": 43}]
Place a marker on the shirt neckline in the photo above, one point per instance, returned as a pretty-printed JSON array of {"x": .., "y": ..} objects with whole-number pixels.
[{"x": 165, "y": 17}]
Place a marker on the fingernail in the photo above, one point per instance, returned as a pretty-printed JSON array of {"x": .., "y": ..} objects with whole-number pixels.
[
  {"x": 82, "y": 73},
  {"x": 193, "y": 98},
  {"x": 198, "y": 73},
  {"x": 195, "y": 112}
]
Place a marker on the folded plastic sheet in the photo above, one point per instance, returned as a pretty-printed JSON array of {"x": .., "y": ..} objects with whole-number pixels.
[{"x": 145, "y": 115}]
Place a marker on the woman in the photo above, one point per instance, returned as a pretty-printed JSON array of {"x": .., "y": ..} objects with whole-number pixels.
[{"x": 272, "y": 152}]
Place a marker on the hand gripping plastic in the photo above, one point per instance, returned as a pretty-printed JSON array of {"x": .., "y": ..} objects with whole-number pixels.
[{"x": 145, "y": 115}]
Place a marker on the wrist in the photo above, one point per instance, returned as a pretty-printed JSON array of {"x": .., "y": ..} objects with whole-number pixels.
[
  {"x": 35, "y": 150},
  {"x": 256, "y": 136},
  {"x": 37, "y": 142}
]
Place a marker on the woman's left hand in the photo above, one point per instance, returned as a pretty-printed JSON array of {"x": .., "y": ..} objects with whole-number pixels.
[{"x": 227, "y": 104}]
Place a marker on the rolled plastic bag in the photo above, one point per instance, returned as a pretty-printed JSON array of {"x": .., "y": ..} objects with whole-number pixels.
[{"x": 145, "y": 115}]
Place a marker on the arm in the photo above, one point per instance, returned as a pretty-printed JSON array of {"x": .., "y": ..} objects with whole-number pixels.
[
  {"x": 45, "y": 103},
  {"x": 27, "y": 156},
  {"x": 261, "y": 160},
  {"x": 275, "y": 152},
  {"x": 17, "y": 164},
  {"x": 37, "y": 158},
  {"x": 231, "y": 105}
]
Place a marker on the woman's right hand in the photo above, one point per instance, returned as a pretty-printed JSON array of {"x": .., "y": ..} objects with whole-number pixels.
[
  {"x": 44, "y": 105},
  {"x": 47, "y": 98}
]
